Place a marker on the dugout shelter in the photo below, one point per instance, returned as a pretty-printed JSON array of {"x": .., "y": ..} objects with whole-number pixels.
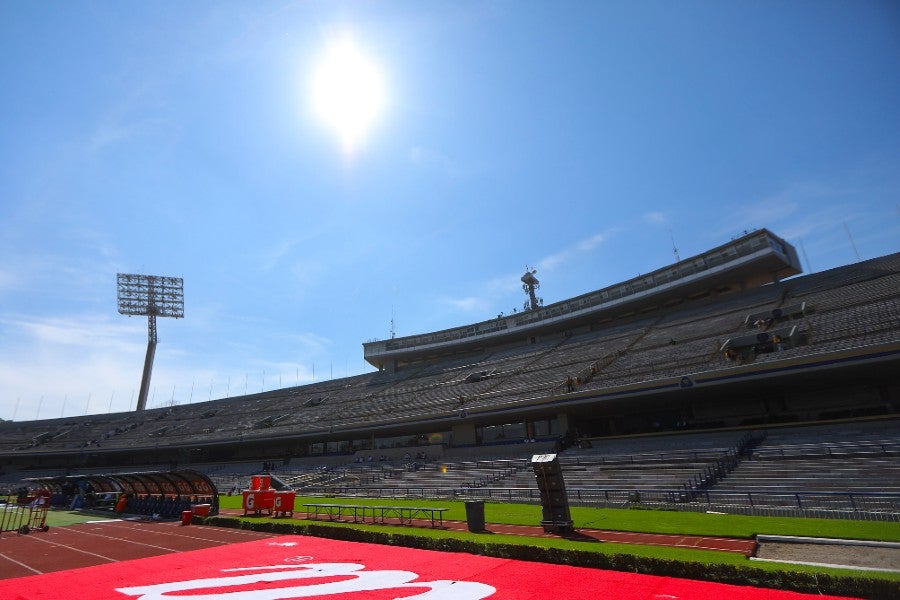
[{"x": 164, "y": 493}]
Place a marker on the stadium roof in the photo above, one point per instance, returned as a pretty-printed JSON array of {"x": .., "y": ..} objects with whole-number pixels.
[{"x": 752, "y": 260}]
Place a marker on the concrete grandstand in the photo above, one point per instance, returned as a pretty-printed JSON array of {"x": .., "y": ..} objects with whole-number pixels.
[{"x": 725, "y": 380}]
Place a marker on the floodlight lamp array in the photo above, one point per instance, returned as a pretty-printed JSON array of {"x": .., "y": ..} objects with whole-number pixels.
[{"x": 150, "y": 295}]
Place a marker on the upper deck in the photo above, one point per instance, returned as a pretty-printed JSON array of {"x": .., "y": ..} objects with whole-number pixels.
[{"x": 752, "y": 260}]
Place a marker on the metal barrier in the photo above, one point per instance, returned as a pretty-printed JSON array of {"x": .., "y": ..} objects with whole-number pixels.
[
  {"x": 378, "y": 514},
  {"x": 861, "y": 506}
]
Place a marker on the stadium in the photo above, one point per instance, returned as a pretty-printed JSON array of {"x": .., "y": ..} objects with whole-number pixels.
[{"x": 725, "y": 383}]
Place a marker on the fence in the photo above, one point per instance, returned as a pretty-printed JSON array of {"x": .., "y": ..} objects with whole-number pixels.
[{"x": 863, "y": 506}]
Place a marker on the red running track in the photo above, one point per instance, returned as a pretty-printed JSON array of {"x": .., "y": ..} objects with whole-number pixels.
[
  {"x": 305, "y": 567},
  {"x": 104, "y": 542},
  {"x": 740, "y": 546},
  {"x": 745, "y": 547}
]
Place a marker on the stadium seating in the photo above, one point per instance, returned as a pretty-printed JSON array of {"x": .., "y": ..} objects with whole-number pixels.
[
  {"x": 683, "y": 341},
  {"x": 835, "y": 314}
]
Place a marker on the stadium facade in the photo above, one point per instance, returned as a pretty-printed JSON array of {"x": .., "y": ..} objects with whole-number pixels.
[{"x": 732, "y": 338}]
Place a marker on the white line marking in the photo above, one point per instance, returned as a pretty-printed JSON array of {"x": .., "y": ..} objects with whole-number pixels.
[
  {"x": 43, "y": 541},
  {"x": 231, "y": 533},
  {"x": 126, "y": 540},
  {"x": 23, "y": 565}
]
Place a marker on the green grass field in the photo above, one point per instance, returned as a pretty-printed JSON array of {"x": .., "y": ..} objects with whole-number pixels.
[
  {"x": 55, "y": 518},
  {"x": 61, "y": 518},
  {"x": 632, "y": 520},
  {"x": 643, "y": 521}
]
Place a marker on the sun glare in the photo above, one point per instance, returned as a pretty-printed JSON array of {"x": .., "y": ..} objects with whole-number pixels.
[{"x": 348, "y": 92}]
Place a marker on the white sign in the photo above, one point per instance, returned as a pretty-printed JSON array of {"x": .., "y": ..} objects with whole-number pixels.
[{"x": 358, "y": 580}]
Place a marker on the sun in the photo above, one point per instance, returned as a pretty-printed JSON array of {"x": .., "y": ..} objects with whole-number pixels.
[{"x": 348, "y": 92}]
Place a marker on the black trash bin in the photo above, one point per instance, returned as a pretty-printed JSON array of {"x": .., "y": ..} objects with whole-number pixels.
[{"x": 475, "y": 515}]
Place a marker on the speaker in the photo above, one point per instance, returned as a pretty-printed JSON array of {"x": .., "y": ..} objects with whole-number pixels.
[{"x": 554, "y": 501}]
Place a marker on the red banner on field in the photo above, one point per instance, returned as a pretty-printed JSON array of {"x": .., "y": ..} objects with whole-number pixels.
[{"x": 305, "y": 567}]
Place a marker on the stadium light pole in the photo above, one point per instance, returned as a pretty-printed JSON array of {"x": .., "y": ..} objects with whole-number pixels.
[{"x": 151, "y": 296}]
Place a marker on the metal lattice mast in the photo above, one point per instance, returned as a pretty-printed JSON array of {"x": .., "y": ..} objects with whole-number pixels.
[{"x": 152, "y": 296}]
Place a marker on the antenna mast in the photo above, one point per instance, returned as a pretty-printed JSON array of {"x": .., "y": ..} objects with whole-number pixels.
[
  {"x": 530, "y": 283},
  {"x": 674, "y": 248},
  {"x": 852, "y": 243}
]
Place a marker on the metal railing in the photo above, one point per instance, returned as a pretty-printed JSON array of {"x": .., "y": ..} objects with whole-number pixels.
[{"x": 863, "y": 506}]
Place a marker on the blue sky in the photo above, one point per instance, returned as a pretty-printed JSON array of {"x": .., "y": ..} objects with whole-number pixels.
[{"x": 580, "y": 138}]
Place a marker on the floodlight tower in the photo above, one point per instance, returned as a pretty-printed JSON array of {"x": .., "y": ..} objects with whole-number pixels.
[
  {"x": 155, "y": 297},
  {"x": 530, "y": 283}
]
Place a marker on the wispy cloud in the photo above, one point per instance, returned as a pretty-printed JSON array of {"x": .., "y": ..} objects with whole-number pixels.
[
  {"x": 307, "y": 271},
  {"x": 470, "y": 304},
  {"x": 559, "y": 259},
  {"x": 434, "y": 160},
  {"x": 500, "y": 288},
  {"x": 817, "y": 215},
  {"x": 136, "y": 114},
  {"x": 9, "y": 279},
  {"x": 274, "y": 254},
  {"x": 304, "y": 343},
  {"x": 796, "y": 205},
  {"x": 79, "y": 331},
  {"x": 69, "y": 357},
  {"x": 768, "y": 210},
  {"x": 77, "y": 276},
  {"x": 118, "y": 130},
  {"x": 592, "y": 242},
  {"x": 85, "y": 364},
  {"x": 108, "y": 135},
  {"x": 655, "y": 218}
]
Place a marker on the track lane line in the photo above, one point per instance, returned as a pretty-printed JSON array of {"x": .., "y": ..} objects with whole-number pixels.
[
  {"x": 21, "y": 564},
  {"x": 159, "y": 532},
  {"x": 173, "y": 531},
  {"x": 72, "y": 548},
  {"x": 127, "y": 541}
]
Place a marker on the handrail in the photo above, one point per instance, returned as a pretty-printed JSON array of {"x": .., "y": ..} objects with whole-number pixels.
[{"x": 847, "y": 505}]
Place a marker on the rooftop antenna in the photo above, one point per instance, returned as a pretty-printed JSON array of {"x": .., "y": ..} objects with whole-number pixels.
[
  {"x": 805, "y": 257},
  {"x": 530, "y": 283},
  {"x": 674, "y": 249},
  {"x": 852, "y": 243},
  {"x": 152, "y": 296},
  {"x": 393, "y": 331}
]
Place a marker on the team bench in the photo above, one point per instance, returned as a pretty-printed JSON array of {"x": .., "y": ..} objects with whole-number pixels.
[{"x": 377, "y": 514}]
